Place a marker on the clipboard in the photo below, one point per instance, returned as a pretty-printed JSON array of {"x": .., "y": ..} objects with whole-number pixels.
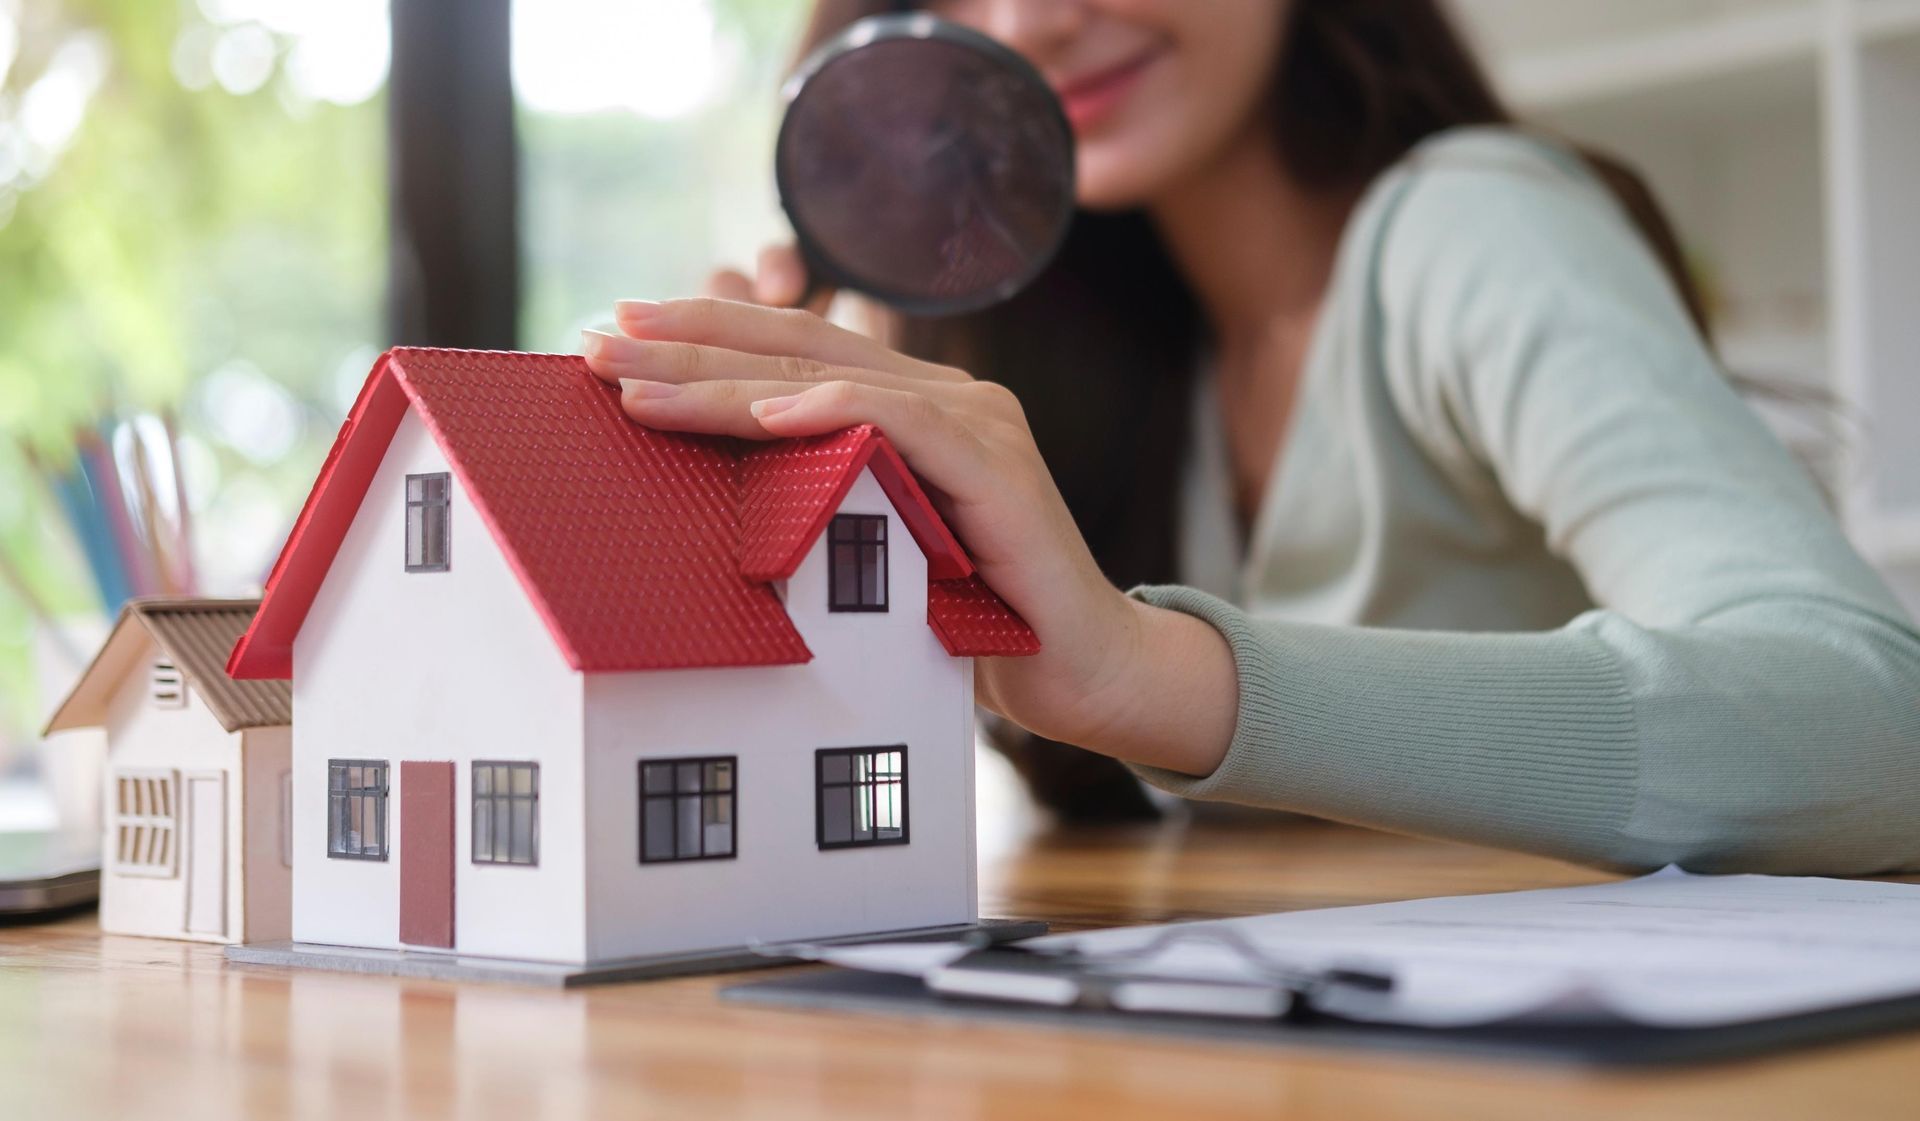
[{"x": 847, "y": 990}]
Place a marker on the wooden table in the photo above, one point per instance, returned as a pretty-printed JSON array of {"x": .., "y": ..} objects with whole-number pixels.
[{"x": 148, "y": 1030}]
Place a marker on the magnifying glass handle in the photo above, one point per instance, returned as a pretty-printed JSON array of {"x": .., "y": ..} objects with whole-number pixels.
[{"x": 818, "y": 294}]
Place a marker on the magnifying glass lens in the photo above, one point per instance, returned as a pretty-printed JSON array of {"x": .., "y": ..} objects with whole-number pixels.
[{"x": 933, "y": 172}]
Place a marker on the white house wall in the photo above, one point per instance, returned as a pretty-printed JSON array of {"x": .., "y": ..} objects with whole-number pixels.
[
  {"x": 876, "y": 679},
  {"x": 186, "y": 741},
  {"x": 454, "y": 665}
]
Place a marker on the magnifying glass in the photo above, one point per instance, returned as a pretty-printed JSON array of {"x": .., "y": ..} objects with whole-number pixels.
[{"x": 925, "y": 165}]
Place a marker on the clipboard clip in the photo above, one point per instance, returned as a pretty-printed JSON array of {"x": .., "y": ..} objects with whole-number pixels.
[{"x": 1126, "y": 980}]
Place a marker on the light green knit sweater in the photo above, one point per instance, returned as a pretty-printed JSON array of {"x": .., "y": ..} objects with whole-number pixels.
[{"x": 1529, "y": 573}]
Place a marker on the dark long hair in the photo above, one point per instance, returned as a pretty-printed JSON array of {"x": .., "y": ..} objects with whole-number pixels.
[{"x": 1100, "y": 348}]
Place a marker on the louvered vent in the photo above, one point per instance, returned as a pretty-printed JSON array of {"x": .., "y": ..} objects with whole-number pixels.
[{"x": 169, "y": 685}]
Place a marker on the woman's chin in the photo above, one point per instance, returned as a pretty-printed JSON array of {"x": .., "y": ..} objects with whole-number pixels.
[{"x": 1107, "y": 183}]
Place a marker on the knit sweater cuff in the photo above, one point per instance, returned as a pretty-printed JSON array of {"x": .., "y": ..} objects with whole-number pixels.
[{"x": 1521, "y": 740}]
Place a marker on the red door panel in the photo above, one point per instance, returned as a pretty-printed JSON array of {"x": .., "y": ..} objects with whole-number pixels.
[{"x": 426, "y": 854}]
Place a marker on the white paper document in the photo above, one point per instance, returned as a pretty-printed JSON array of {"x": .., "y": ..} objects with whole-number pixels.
[{"x": 1668, "y": 950}]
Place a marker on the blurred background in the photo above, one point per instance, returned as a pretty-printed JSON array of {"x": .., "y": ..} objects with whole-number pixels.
[
  {"x": 214, "y": 214},
  {"x": 203, "y": 249}
]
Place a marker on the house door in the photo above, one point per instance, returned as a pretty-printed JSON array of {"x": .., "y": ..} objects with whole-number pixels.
[
  {"x": 426, "y": 854},
  {"x": 206, "y": 805}
]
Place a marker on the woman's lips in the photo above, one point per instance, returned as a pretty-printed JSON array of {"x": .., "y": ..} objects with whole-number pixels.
[{"x": 1089, "y": 98}]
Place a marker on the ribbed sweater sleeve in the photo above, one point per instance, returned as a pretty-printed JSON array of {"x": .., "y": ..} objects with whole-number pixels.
[{"x": 1745, "y": 697}]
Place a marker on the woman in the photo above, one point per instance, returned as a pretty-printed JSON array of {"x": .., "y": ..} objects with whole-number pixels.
[{"x": 1515, "y": 564}]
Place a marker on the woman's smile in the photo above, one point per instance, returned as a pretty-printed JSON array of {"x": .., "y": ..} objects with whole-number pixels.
[{"x": 1092, "y": 96}]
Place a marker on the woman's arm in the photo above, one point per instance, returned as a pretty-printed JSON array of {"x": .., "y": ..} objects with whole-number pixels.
[{"x": 1748, "y": 696}]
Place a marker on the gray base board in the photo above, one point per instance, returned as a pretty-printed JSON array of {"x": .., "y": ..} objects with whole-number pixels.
[{"x": 458, "y": 967}]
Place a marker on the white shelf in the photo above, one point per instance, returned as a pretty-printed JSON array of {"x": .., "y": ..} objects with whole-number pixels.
[
  {"x": 1781, "y": 136},
  {"x": 1882, "y": 20},
  {"x": 1782, "y": 41}
]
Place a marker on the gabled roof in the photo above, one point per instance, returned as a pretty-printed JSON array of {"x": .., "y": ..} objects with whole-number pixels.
[
  {"x": 639, "y": 549},
  {"x": 195, "y": 635}
]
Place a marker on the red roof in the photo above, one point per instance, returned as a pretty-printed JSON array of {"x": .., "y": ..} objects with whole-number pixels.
[{"x": 639, "y": 549}]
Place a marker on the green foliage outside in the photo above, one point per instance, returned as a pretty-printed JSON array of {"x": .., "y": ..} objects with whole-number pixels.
[
  {"x": 184, "y": 241},
  {"x": 617, "y": 205},
  {"x": 176, "y": 232}
]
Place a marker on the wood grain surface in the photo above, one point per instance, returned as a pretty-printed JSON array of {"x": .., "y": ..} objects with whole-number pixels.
[{"x": 132, "y": 1028}]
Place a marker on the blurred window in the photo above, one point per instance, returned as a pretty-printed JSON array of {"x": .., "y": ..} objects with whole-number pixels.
[{"x": 646, "y": 134}]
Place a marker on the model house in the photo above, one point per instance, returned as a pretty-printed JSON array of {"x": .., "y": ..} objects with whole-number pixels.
[
  {"x": 571, "y": 690},
  {"x": 197, "y": 776}
]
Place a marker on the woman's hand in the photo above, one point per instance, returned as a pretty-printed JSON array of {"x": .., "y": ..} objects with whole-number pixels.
[
  {"x": 779, "y": 280},
  {"x": 1114, "y": 674}
]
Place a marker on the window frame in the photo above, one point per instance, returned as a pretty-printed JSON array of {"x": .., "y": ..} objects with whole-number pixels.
[
  {"x": 140, "y": 825},
  {"x": 821, "y": 786},
  {"x": 422, "y": 504},
  {"x": 674, "y": 796},
  {"x": 382, "y": 795},
  {"x": 843, "y": 530},
  {"x": 496, "y": 801}
]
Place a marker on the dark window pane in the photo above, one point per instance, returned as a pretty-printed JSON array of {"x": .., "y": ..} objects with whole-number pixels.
[
  {"x": 719, "y": 825},
  {"x": 862, "y": 796},
  {"x": 483, "y": 829},
  {"x": 521, "y": 850},
  {"x": 435, "y": 532},
  {"x": 416, "y": 537},
  {"x": 863, "y": 813},
  {"x": 836, "y": 815},
  {"x": 873, "y": 578},
  {"x": 846, "y": 575},
  {"x": 687, "y": 806},
  {"x": 504, "y": 826},
  {"x": 658, "y": 841},
  {"x": 686, "y": 812}
]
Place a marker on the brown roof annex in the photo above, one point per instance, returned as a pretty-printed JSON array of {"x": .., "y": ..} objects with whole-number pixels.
[{"x": 196, "y": 635}]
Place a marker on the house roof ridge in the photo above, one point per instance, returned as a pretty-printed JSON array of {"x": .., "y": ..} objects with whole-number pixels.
[{"x": 194, "y": 633}]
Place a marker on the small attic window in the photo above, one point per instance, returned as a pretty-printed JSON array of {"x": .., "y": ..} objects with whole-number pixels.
[
  {"x": 857, "y": 563},
  {"x": 167, "y": 686},
  {"x": 427, "y": 522}
]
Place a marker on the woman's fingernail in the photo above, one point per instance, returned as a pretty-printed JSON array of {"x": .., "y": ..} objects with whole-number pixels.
[
  {"x": 636, "y": 309},
  {"x": 771, "y": 405},
  {"x": 647, "y": 390},
  {"x": 594, "y": 343}
]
